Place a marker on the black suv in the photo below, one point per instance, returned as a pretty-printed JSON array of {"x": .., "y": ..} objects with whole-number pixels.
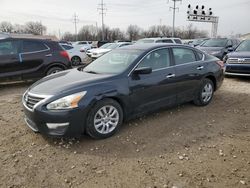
[{"x": 31, "y": 58}]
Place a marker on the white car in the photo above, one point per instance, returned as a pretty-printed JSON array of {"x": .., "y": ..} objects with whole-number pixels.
[
  {"x": 75, "y": 55},
  {"x": 86, "y": 45},
  {"x": 160, "y": 40},
  {"x": 91, "y": 51},
  {"x": 101, "y": 51}
]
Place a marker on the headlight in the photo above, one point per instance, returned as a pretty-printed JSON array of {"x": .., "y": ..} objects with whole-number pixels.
[
  {"x": 68, "y": 102},
  {"x": 215, "y": 52}
]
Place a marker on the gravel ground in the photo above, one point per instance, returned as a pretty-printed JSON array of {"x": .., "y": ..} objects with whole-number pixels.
[{"x": 186, "y": 146}]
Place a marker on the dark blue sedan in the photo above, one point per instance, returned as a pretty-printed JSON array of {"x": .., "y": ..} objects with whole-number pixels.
[{"x": 238, "y": 62}]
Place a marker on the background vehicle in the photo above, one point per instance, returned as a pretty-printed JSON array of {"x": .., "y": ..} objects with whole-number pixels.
[
  {"x": 82, "y": 45},
  {"x": 160, "y": 40},
  {"x": 197, "y": 42},
  {"x": 77, "y": 57},
  {"x": 122, "y": 84},
  {"x": 90, "y": 52},
  {"x": 238, "y": 62},
  {"x": 219, "y": 47},
  {"x": 31, "y": 58},
  {"x": 101, "y": 51}
]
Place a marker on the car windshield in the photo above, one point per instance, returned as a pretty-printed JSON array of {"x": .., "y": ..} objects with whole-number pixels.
[
  {"x": 244, "y": 46},
  {"x": 114, "y": 62},
  {"x": 215, "y": 43},
  {"x": 105, "y": 45},
  {"x": 145, "y": 41},
  {"x": 198, "y": 41},
  {"x": 112, "y": 46}
]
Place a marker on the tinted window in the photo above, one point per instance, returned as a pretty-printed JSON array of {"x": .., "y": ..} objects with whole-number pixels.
[
  {"x": 33, "y": 46},
  {"x": 200, "y": 55},
  {"x": 157, "y": 59},
  {"x": 215, "y": 43},
  {"x": 8, "y": 47},
  {"x": 177, "y": 41},
  {"x": 183, "y": 55},
  {"x": 67, "y": 47},
  {"x": 229, "y": 43},
  {"x": 165, "y": 41}
]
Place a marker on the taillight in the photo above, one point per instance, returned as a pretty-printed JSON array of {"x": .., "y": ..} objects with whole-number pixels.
[
  {"x": 221, "y": 64},
  {"x": 65, "y": 54}
]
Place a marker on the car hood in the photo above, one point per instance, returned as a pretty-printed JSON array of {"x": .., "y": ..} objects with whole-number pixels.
[
  {"x": 99, "y": 51},
  {"x": 239, "y": 55},
  {"x": 66, "y": 81},
  {"x": 210, "y": 49}
]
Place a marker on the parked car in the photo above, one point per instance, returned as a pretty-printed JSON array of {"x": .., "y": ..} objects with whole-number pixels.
[
  {"x": 238, "y": 62},
  {"x": 219, "y": 47},
  {"x": 76, "y": 56},
  {"x": 22, "y": 58},
  {"x": 123, "y": 84},
  {"x": 101, "y": 51},
  {"x": 198, "y": 42},
  {"x": 91, "y": 51},
  {"x": 82, "y": 45},
  {"x": 160, "y": 40}
]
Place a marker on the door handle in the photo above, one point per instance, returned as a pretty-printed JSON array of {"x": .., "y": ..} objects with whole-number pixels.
[
  {"x": 170, "y": 76},
  {"x": 48, "y": 55},
  {"x": 200, "y": 67}
]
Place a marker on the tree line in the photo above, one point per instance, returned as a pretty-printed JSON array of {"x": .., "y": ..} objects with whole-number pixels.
[
  {"x": 35, "y": 28},
  {"x": 133, "y": 32},
  {"x": 92, "y": 33}
]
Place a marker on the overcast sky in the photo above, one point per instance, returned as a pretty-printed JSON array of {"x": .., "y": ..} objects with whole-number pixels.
[{"x": 57, "y": 14}]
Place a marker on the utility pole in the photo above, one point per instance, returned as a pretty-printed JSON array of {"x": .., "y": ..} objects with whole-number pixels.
[
  {"x": 174, "y": 10},
  {"x": 75, "y": 21},
  {"x": 102, "y": 10}
]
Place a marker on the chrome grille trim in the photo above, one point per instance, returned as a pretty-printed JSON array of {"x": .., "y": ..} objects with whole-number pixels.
[
  {"x": 238, "y": 61},
  {"x": 31, "y": 101}
]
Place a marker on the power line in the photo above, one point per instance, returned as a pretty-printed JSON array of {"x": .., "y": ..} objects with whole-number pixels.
[
  {"x": 174, "y": 10},
  {"x": 102, "y": 10},
  {"x": 75, "y": 21}
]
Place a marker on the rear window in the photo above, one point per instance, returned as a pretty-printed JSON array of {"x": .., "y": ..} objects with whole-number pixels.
[
  {"x": 8, "y": 47},
  {"x": 183, "y": 56},
  {"x": 177, "y": 41},
  {"x": 33, "y": 46}
]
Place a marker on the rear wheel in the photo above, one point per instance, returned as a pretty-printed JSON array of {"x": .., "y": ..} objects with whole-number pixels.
[
  {"x": 205, "y": 93},
  {"x": 76, "y": 60},
  {"x": 54, "y": 70},
  {"x": 104, "y": 119}
]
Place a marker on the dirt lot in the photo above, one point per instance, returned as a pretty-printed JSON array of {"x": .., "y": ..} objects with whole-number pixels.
[{"x": 185, "y": 146}]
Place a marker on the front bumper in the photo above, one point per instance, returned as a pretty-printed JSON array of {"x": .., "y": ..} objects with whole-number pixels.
[
  {"x": 67, "y": 123},
  {"x": 238, "y": 69}
]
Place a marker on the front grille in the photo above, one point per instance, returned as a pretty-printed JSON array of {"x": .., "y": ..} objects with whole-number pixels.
[
  {"x": 30, "y": 101},
  {"x": 238, "y": 61}
]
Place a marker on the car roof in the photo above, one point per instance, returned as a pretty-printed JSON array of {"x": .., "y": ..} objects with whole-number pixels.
[
  {"x": 29, "y": 39},
  {"x": 159, "y": 38},
  {"x": 150, "y": 46}
]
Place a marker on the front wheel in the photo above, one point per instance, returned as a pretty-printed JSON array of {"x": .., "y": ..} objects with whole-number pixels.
[
  {"x": 104, "y": 119},
  {"x": 205, "y": 93},
  {"x": 54, "y": 70}
]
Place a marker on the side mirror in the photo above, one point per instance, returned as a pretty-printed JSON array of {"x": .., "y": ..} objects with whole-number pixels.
[
  {"x": 230, "y": 49},
  {"x": 143, "y": 70}
]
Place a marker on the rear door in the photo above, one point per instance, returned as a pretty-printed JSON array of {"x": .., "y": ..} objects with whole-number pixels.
[
  {"x": 189, "y": 69},
  {"x": 33, "y": 55},
  {"x": 9, "y": 58},
  {"x": 155, "y": 90}
]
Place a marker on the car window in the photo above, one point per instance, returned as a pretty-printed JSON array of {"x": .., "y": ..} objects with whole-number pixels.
[
  {"x": 164, "y": 41},
  {"x": 177, "y": 41},
  {"x": 82, "y": 43},
  {"x": 200, "y": 55},
  {"x": 8, "y": 47},
  {"x": 156, "y": 60},
  {"x": 229, "y": 43},
  {"x": 183, "y": 55},
  {"x": 33, "y": 46},
  {"x": 67, "y": 47}
]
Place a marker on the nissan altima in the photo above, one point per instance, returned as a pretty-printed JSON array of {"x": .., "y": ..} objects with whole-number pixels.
[{"x": 123, "y": 84}]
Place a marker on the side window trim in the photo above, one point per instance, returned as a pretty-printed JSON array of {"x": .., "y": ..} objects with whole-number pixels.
[
  {"x": 33, "y": 52},
  {"x": 171, "y": 59}
]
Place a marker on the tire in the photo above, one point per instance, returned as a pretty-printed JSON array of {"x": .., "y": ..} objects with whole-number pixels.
[
  {"x": 54, "y": 70},
  {"x": 76, "y": 61},
  {"x": 100, "y": 126},
  {"x": 205, "y": 93}
]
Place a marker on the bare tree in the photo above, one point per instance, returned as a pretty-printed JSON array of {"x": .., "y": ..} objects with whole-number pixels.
[
  {"x": 6, "y": 27},
  {"x": 133, "y": 32},
  {"x": 35, "y": 28}
]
